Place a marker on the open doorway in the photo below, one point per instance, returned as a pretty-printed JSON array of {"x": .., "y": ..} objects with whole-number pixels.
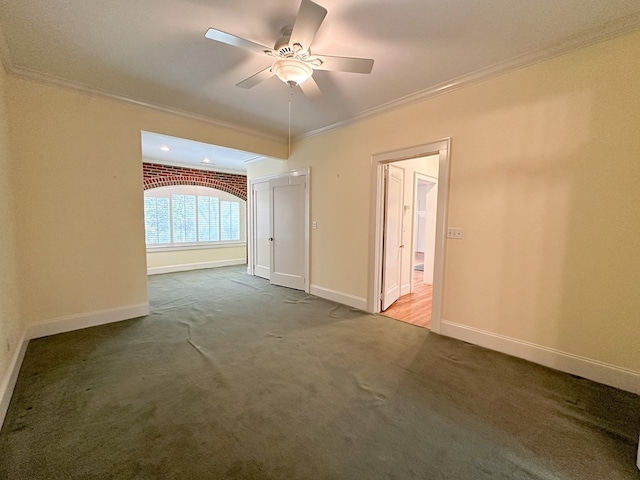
[
  {"x": 195, "y": 197},
  {"x": 417, "y": 217},
  {"x": 421, "y": 240},
  {"x": 425, "y": 205},
  {"x": 415, "y": 305}
]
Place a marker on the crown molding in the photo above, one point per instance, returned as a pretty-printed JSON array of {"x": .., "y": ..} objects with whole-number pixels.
[
  {"x": 39, "y": 77},
  {"x": 623, "y": 26},
  {"x": 611, "y": 30}
]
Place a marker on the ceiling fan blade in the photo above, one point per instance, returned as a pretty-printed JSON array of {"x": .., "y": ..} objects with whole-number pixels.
[
  {"x": 253, "y": 80},
  {"x": 223, "y": 37},
  {"x": 310, "y": 89},
  {"x": 344, "y": 64},
  {"x": 308, "y": 21}
]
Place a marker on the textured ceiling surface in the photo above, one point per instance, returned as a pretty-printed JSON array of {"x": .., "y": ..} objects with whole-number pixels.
[{"x": 155, "y": 52}]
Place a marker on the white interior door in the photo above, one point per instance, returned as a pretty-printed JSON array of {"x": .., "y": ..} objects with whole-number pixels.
[
  {"x": 288, "y": 231},
  {"x": 261, "y": 235},
  {"x": 392, "y": 235}
]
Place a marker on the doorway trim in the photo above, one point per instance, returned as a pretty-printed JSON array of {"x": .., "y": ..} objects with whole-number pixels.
[{"x": 441, "y": 148}]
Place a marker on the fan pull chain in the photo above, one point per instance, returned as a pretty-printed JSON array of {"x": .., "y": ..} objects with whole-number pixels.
[{"x": 290, "y": 96}]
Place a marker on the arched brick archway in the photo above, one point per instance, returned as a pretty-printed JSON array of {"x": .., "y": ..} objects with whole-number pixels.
[{"x": 156, "y": 175}]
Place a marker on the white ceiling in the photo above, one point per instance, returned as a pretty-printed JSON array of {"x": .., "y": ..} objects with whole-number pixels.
[
  {"x": 155, "y": 52},
  {"x": 192, "y": 154}
]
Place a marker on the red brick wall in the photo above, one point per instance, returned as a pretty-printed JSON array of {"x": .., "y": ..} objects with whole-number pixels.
[{"x": 156, "y": 175}]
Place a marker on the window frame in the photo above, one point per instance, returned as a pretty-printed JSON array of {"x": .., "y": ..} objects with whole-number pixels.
[{"x": 197, "y": 190}]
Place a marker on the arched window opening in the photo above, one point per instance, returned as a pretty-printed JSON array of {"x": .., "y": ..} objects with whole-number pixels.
[{"x": 189, "y": 215}]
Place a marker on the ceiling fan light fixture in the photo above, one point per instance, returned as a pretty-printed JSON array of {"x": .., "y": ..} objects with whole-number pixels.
[{"x": 291, "y": 71}]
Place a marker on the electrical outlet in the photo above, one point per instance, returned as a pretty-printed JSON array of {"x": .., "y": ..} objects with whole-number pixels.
[
  {"x": 314, "y": 225},
  {"x": 455, "y": 233}
]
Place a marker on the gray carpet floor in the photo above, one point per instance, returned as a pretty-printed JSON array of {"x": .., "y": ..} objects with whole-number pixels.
[{"x": 232, "y": 378}]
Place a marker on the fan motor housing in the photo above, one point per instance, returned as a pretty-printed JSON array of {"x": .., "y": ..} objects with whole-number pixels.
[
  {"x": 287, "y": 51},
  {"x": 282, "y": 44}
]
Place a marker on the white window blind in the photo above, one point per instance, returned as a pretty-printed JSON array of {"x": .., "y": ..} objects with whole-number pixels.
[
  {"x": 156, "y": 220},
  {"x": 186, "y": 215},
  {"x": 208, "y": 219},
  {"x": 184, "y": 218},
  {"x": 230, "y": 221}
]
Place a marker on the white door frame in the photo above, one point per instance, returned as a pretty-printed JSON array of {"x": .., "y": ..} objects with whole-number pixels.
[
  {"x": 251, "y": 217},
  {"x": 442, "y": 149}
]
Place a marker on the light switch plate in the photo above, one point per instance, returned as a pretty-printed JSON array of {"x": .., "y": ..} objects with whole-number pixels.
[{"x": 454, "y": 233}]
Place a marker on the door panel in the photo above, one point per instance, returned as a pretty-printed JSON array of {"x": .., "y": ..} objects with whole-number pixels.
[
  {"x": 262, "y": 245},
  {"x": 288, "y": 231},
  {"x": 392, "y": 235}
]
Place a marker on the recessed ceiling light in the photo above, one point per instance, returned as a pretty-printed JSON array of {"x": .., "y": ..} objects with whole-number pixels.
[
  {"x": 165, "y": 148},
  {"x": 206, "y": 160}
]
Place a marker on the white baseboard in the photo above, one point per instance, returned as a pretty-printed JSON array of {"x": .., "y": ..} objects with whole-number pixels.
[
  {"x": 84, "y": 320},
  {"x": 405, "y": 289},
  {"x": 600, "y": 372},
  {"x": 195, "y": 266},
  {"x": 10, "y": 378},
  {"x": 339, "y": 297}
]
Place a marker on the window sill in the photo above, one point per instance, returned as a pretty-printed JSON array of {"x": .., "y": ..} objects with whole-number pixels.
[{"x": 193, "y": 246}]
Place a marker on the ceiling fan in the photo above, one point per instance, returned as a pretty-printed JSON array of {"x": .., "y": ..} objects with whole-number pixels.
[{"x": 293, "y": 62}]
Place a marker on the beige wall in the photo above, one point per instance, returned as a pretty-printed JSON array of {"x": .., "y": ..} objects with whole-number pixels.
[
  {"x": 11, "y": 327},
  {"x": 266, "y": 166},
  {"x": 191, "y": 257},
  {"x": 544, "y": 182},
  {"x": 78, "y": 195}
]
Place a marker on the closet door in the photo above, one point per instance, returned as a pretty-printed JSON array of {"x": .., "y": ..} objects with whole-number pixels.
[
  {"x": 288, "y": 238},
  {"x": 261, "y": 229}
]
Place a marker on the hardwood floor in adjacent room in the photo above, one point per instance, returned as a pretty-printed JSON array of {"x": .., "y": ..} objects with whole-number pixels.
[{"x": 415, "y": 307}]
